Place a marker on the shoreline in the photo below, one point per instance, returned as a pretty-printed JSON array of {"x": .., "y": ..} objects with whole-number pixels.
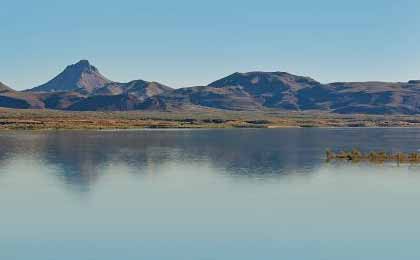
[{"x": 49, "y": 120}]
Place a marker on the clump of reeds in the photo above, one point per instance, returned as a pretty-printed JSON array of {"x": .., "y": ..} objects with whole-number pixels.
[{"x": 374, "y": 156}]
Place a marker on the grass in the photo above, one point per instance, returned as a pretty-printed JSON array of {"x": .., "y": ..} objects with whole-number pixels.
[{"x": 53, "y": 119}]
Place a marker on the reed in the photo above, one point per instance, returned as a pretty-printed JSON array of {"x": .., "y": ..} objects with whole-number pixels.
[{"x": 356, "y": 155}]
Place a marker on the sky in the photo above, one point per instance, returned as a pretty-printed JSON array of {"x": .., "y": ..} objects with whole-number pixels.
[{"x": 191, "y": 42}]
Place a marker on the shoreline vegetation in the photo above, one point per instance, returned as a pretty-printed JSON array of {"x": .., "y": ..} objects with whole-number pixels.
[
  {"x": 374, "y": 156},
  {"x": 32, "y": 119}
]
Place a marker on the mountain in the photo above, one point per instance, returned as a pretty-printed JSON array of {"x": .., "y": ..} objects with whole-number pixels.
[
  {"x": 228, "y": 98},
  {"x": 288, "y": 92},
  {"x": 81, "y": 75},
  {"x": 239, "y": 91},
  {"x": 81, "y": 87},
  {"x": 284, "y": 91},
  {"x": 139, "y": 88},
  {"x": 259, "y": 82},
  {"x": 375, "y": 97},
  {"x": 118, "y": 96},
  {"x": 270, "y": 89},
  {"x": 246, "y": 91}
]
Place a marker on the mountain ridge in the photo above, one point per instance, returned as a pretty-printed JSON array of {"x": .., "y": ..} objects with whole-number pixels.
[{"x": 82, "y": 87}]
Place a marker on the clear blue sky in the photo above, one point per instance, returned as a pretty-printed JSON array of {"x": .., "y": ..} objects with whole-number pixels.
[{"x": 192, "y": 42}]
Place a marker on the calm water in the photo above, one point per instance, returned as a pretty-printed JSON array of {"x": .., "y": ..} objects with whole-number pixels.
[{"x": 206, "y": 194}]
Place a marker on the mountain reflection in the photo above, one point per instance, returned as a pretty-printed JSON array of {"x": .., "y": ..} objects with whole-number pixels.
[{"x": 79, "y": 158}]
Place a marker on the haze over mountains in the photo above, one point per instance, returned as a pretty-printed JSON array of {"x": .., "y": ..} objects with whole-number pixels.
[{"x": 81, "y": 87}]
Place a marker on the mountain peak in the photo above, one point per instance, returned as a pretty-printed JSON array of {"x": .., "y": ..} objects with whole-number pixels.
[
  {"x": 83, "y": 66},
  {"x": 79, "y": 75},
  {"x": 83, "y": 63},
  {"x": 264, "y": 79}
]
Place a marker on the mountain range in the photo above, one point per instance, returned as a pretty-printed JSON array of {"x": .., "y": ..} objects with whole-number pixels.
[{"x": 81, "y": 87}]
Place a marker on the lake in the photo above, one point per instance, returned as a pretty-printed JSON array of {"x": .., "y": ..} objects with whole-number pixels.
[{"x": 206, "y": 194}]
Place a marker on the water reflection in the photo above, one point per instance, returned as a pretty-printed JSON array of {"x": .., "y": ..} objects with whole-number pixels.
[
  {"x": 224, "y": 194},
  {"x": 80, "y": 158}
]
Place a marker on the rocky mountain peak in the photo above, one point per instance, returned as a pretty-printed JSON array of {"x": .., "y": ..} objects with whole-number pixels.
[
  {"x": 83, "y": 66},
  {"x": 81, "y": 75}
]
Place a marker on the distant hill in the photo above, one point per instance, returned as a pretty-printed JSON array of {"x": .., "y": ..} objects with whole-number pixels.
[
  {"x": 374, "y": 97},
  {"x": 270, "y": 89},
  {"x": 287, "y": 92},
  {"x": 14, "y": 99},
  {"x": 139, "y": 88},
  {"x": 81, "y": 87}
]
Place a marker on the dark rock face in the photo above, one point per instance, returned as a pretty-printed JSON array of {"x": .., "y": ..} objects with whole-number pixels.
[{"x": 80, "y": 75}]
